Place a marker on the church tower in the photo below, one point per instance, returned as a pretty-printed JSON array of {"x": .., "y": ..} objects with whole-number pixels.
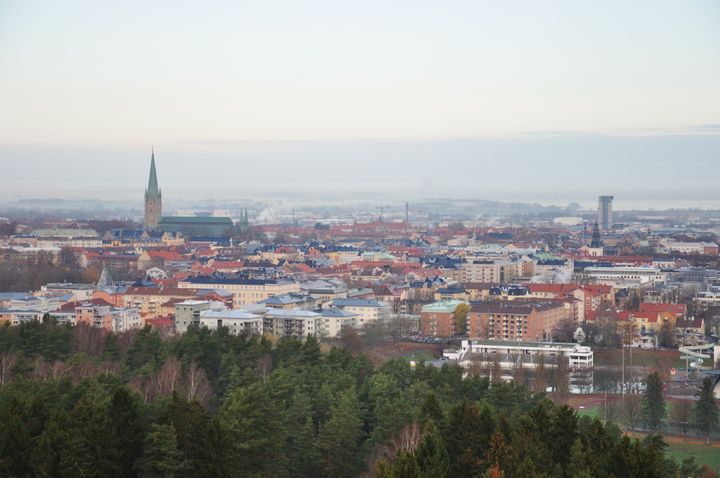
[{"x": 153, "y": 198}]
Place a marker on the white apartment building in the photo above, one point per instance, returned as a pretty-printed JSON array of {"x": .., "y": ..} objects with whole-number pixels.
[
  {"x": 367, "y": 311},
  {"x": 291, "y": 322},
  {"x": 236, "y": 321}
]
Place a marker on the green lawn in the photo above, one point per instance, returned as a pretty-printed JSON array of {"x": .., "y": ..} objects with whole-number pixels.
[
  {"x": 419, "y": 356},
  {"x": 704, "y": 454},
  {"x": 592, "y": 412}
]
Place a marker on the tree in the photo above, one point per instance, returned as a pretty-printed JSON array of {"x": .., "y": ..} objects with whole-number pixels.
[
  {"x": 126, "y": 422},
  {"x": 431, "y": 455},
  {"x": 706, "y": 410},
  {"x": 666, "y": 335},
  {"x": 632, "y": 410},
  {"x": 680, "y": 414},
  {"x": 161, "y": 457},
  {"x": 564, "y": 330},
  {"x": 339, "y": 437},
  {"x": 311, "y": 351},
  {"x": 7, "y": 364},
  {"x": 654, "y": 403},
  {"x": 562, "y": 378},
  {"x": 196, "y": 384},
  {"x": 460, "y": 318}
]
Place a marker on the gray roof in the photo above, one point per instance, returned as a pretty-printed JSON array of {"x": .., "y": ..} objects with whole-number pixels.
[{"x": 358, "y": 303}]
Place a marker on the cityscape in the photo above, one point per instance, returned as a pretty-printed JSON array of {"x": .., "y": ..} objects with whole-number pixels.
[{"x": 310, "y": 275}]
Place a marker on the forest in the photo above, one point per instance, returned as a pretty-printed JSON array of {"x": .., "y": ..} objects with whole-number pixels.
[{"x": 77, "y": 402}]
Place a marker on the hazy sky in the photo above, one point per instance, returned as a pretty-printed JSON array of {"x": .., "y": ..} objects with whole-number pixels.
[{"x": 545, "y": 100}]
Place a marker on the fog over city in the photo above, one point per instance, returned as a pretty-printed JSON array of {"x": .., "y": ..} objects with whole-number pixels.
[
  {"x": 646, "y": 169},
  {"x": 405, "y": 101}
]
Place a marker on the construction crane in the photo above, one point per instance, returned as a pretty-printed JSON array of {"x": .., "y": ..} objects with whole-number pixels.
[{"x": 382, "y": 210}]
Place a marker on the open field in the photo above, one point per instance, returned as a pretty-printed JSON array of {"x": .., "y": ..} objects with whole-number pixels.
[
  {"x": 680, "y": 448},
  {"x": 651, "y": 359},
  {"x": 407, "y": 350}
]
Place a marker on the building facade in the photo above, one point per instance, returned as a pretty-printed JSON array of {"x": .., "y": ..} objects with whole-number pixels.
[
  {"x": 153, "y": 199},
  {"x": 605, "y": 213}
]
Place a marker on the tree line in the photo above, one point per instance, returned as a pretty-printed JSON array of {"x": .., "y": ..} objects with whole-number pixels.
[{"x": 79, "y": 402}]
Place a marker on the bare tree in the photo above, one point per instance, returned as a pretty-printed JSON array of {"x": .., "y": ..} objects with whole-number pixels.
[
  {"x": 680, "y": 415},
  {"x": 476, "y": 368},
  {"x": 196, "y": 384},
  {"x": 540, "y": 378},
  {"x": 562, "y": 378},
  {"x": 142, "y": 385},
  {"x": 496, "y": 371},
  {"x": 610, "y": 411},
  {"x": 518, "y": 372},
  {"x": 405, "y": 441},
  {"x": 166, "y": 380},
  {"x": 633, "y": 410},
  {"x": 264, "y": 367},
  {"x": 8, "y": 360},
  {"x": 88, "y": 339}
]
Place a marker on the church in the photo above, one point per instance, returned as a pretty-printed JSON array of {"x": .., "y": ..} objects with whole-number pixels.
[{"x": 192, "y": 227}]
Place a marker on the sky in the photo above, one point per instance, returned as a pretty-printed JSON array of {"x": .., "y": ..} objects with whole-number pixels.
[{"x": 552, "y": 101}]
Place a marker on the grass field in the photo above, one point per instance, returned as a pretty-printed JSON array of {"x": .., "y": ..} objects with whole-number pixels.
[
  {"x": 704, "y": 454},
  {"x": 679, "y": 449},
  {"x": 647, "y": 358}
]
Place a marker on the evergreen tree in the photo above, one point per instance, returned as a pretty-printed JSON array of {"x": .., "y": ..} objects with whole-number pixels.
[
  {"x": 706, "y": 410},
  {"x": 431, "y": 455},
  {"x": 431, "y": 412},
  {"x": 46, "y": 454},
  {"x": 654, "y": 403},
  {"x": 127, "y": 425},
  {"x": 311, "y": 354},
  {"x": 339, "y": 437},
  {"x": 161, "y": 457}
]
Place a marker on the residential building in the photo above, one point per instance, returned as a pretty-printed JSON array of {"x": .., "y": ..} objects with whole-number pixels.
[
  {"x": 245, "y": 291},
  {"x": 438, "y": 319},
  {"x": 236, "y": 321},
  {"x": 368, "y": 311},
  {"x": 519, "y": 320},
  {"x": 605, "y": 213}
]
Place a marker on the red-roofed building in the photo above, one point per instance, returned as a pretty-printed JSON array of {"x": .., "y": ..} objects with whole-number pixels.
[{"x": 678, "y": 310}]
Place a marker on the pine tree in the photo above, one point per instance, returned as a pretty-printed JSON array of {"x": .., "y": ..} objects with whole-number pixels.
[
  {"x": 311, "y": 351},
  {"x": 654, "y": 403},
  {"x": 339, "y": 437},
  {"x": 300, "y": 450},
  {"x": 127, "y": 425},
  {"x": 706, "y": 410},
  {"x": 431, "y": 455},
  {"x": 161, "y": 457},
  {"x": 46, "y": 453},
  {"x": 431, "y": 412}
]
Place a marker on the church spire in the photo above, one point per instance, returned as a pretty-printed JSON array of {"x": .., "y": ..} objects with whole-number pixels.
[
  {"x": 596, "y": 240},
  {"x": 153, "y": 190},
  {"x": 153, "y": 198}
]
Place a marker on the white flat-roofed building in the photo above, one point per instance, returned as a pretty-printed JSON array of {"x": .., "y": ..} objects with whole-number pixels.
[
  {"x": 187, "y": 313},
  {"x": 79, "y": 292},
  {"x": 331, "y": 322},
  {"x": 626, "y": 276},
  {"x": 291, "y": 322},
  {"x": 236, "y": 321},
  {"x": 368, "y": 311},
  {"x": 512, "y": 355},
  {"x": 17, "y": 317}
]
